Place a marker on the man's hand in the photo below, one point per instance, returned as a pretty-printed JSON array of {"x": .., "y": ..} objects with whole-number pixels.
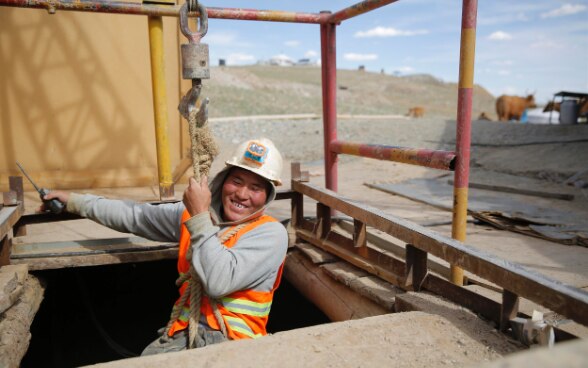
[
  {"x": 60, "y": 195},
  {"x": 197, "y": 196}
]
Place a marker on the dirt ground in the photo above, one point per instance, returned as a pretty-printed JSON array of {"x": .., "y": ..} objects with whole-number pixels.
[{"x": 532, "y": 156}]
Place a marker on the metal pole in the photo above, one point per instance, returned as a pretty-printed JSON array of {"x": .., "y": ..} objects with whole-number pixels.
[
  {"x": 442, "y": 160},
  {"x": 121, "y": 7},
  {"x": 357, "y": 9},
  {"x": 464, "y": 127},
  {"x": 166, "y": 184},
  {"x": 329, "y": 83}
]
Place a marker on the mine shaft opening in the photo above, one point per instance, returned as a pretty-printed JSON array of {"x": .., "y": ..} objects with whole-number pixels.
[{"x": 98, "y": 314}]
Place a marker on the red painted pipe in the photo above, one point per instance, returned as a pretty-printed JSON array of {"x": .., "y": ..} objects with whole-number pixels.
[
  {"x": 357, "y": 9},
  {"x": 443, "y": 160},
  {"x": 464, "y": 127},
  {"x": 119, "y": 7},
  {"x": 329, "y": 83}
]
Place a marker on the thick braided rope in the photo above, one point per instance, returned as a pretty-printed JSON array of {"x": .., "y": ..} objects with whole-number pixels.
[
  {"x": 203, "y": 151},
  {"x": 204, "y": 148}
]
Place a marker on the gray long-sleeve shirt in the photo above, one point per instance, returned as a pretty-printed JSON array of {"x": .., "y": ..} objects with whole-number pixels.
[{"x": 252, "y": 263}]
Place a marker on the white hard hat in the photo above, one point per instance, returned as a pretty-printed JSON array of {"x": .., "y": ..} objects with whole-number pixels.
[{"x": 259, "y": 156}]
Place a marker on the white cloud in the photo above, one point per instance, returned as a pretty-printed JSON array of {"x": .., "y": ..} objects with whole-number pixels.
[
  {"x": 503, "y": 72},
  {"x": 360, "y": 57},
  {"x": 219, "y": 39},
  {"x": 503, "y": 18},
  {"x": 545, "y": 44},
  {"x": 500, "y": 36},
  {"x": 503, "y": 62},
  {"x": 387, "y": 32},
  {"x": 292, "y": 43},
  {"x": 310, "y": 54},
  {"x": 565, "y": 9},
  {"x": 239, "y": 59}
]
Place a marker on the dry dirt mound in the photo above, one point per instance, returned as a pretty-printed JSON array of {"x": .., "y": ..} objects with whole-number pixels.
[
  {"x": 410, "y": 340},
  {"x": 259, "y": 90}
]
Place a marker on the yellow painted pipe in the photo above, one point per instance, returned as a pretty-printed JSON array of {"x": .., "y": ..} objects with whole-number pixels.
[{"x": 166, "y": 185}]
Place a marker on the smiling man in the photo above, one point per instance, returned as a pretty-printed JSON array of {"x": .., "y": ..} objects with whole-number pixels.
[{"x": 237, "y": 251}]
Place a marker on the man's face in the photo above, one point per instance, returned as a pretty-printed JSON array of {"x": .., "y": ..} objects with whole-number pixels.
[{"x": 243, "y": 193}]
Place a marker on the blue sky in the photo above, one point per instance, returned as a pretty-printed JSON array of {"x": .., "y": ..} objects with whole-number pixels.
[{"x": 522, "y": 46}]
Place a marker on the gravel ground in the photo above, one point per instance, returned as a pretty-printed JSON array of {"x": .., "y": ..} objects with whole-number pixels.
[{"x": 551, "y": 152}]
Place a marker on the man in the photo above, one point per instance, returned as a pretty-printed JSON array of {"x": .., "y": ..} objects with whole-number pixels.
[{"x": 237, "y": 251}]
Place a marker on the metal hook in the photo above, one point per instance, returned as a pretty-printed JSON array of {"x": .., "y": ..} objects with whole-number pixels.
[{"x": 203, "y": 29}]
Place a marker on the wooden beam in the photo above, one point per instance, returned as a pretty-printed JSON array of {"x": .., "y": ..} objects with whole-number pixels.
[
  {"x": 563, "y": 299},
  {"x": 378, "y": 264},
  {"x": 416, "y": 267},
  {"x": 509, "y": 309},
  {"x": 8, "y": 217}
]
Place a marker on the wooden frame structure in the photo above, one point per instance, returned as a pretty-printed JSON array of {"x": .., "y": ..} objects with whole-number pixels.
[{"x": 411, "y": 274}]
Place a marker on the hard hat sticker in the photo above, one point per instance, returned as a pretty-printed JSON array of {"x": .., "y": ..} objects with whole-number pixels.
[{"x": 256, "y": 153}]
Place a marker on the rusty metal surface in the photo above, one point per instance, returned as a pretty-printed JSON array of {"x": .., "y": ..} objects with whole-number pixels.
[
  {"x": 329, "y": 85},
  {"x": 564, "y": 299},
  {"x": 357, "y": 9},
  {"x": 120, "y": 7},
  {"x": 443, "y": 160}
]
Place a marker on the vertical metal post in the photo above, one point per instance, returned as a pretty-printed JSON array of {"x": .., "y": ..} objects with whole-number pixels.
[
  {"x": 464, "y": 122},
  {"x": 329, "y": 83},
  {"x": 166, "y": 185}
]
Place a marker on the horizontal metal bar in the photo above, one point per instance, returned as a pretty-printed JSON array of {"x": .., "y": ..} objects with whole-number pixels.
[
  {"x": 443, "y": 160},
  {"x": 357, "y": 9},
  {"x": 267, "y": 15},
  {"x": 564, "y": 299},
  {"x": 121, "y": 7}
]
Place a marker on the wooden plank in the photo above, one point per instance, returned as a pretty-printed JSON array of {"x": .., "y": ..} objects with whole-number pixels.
[
  {"x": 486, "y": 307},
  {"x": 316, "y": 255},
  {"x": 359, "y": 234},
  {"x": 8, "y": 217},
  {"x": 351, "y": 257},
  {"x": 87, "y": 247},
  {"x": 416, "y": 267},
  {"x": 363, "y": 283},
  {"x": 12, "y": 279},
  {"x": 396, "y": 249},
  {"x": 323, "y": 214},
  {"x": 563, "y": 299},
  {"x": 336, "y": 300},
  {"x": 50, "y": 263},
  {"x": 5, "y": 250},
  {"x": 373, "y": 255},
  {"x": 509, "y": 309}
]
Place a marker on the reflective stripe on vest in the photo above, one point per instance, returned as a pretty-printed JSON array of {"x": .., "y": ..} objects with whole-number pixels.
[
  {"x": 247, "y": 307},
  {"x": 245, "y": 312},
  {"x": 238, "y": 325}
]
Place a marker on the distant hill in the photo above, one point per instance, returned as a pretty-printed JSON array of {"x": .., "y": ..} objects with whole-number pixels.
[{"x": 266, "y": 89}]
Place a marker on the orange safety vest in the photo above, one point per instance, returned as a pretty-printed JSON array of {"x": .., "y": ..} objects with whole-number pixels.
[{"x": 245, "y": 312}]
